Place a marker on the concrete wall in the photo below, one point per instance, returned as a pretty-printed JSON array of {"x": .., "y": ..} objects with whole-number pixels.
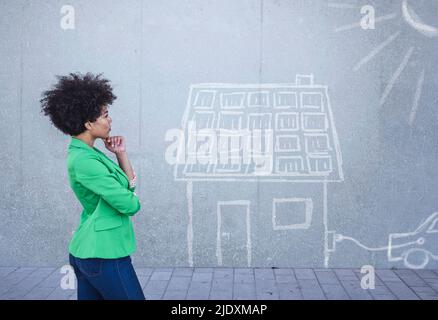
[{"x": 382, "y": 85}]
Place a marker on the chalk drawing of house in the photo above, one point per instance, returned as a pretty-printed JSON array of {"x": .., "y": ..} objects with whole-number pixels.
[{"x": 257, "y": 162}]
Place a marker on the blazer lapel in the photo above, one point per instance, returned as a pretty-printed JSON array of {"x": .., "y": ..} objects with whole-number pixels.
[
  {"x": 112, "y": 164},
  {"x": 78, "y": 143}
]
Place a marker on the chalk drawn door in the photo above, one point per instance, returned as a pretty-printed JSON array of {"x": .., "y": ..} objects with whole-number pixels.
[{"x": 233, "y": 233}]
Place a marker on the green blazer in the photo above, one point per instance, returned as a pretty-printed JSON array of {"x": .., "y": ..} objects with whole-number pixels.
[{"x": 105, "y": 229}]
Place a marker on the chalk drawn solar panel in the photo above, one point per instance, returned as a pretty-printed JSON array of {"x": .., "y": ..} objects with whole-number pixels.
[{"x": 288, "y": 125}]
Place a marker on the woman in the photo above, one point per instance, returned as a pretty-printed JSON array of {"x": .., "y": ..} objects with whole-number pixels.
[{"x": 101, "y": 246}]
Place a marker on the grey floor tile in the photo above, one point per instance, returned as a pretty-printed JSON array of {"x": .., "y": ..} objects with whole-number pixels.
[
  {"x": 327, "y": 277},
  {"x": 289, "y": 291},
  {"x": 53, "y": 280},
  {"x": 222, "y": 285},
  {"x": 4, "y": 271},
  {"x": 244, "y": 270},
  {"x": 60, "y": 294},
  {"x": 379, "y": 290},
  {"x": 425, "y": 293},
  {"x": 221, "y": 295},
  {"x": 244, "y": 291},
  {"x": 264, "y": 273},
  {"x": 401, "y": 291},
  {"x": 155, "y": 287},
  {"x": 355, "y": 291},
  {"x": 202, "y": 276},
  {"x": 183, "y": 272},
  {"x": 223, "y": 274},
  {"x": 346, "y": 274},
  {"x": 432, "y": 283},
  {"x": 144, "y": 271},
  {"x": 285, "y": 279},
  {"x": 283, "y": 271},
  {"x": 143, "y": 280},
  {"x": 387, "y": 275},
  {"x": 38, "y": 293},
  {"x": 14, "y": 278},
  {"x": 179, "y": 283},
  {"x": 175, "y": 295},
  {"x": 304, "y": 274},
  {"x": 266, "y": 289},
  {"x": 244, "y": 278},
  {"x": 161, "y": 275},
  {"x": 427, "y": 274},
  {"x": 27, "y": 284},
  {"x": 199, "y": 291},
  {"x": 310, "y": 289},
  {"x": 413, "y": 280},
  {"x": 335, "y": 292}
]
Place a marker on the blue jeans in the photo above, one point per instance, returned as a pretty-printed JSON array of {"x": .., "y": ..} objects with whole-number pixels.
[{"x": 106, "y": 279}]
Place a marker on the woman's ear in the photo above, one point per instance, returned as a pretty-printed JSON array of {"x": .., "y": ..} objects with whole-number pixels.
[{"x": 88, "y": 125}]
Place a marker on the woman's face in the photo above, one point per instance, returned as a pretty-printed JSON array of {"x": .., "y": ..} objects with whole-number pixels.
[{"x": 102, "y": 126}]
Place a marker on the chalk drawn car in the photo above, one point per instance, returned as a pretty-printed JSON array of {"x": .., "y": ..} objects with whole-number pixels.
[{"x": 416, "y": 248}]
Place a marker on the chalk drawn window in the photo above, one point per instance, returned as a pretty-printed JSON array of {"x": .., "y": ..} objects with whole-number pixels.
[
  {"x": 259, "y": 121},
  {"x": 230, "y": 120},
  {"x": 314, "y": 122},
  {"x": 204, "y": 99},
  {"x": 289, "y": 165},
  {"x": 311, "y": 101},
  {"x": 232, "y": 100},
  {"x": 287, "y": 143},
  {"x": 317, "y": 143},
  {"x": 203, "y": 119},
  {"x": 320, "y": 164},
  {"x": 286, "y": 121},
  {"x": 292, "y": 213},
  {"x": 285, "y": 100},
  {"x": 258, "y": 99}
]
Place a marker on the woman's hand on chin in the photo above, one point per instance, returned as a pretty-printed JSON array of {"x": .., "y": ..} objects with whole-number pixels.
[{"x": 115, "y": 144}]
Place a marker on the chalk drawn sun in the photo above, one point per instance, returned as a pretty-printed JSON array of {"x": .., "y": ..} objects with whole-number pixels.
[{"x": 417, "y": 15}]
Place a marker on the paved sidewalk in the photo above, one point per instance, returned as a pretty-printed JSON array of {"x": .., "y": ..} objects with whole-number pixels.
[{"x": 236, "y": 284}]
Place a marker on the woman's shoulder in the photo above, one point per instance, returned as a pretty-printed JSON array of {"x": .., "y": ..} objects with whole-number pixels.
[{"x": 81, "y": 156}]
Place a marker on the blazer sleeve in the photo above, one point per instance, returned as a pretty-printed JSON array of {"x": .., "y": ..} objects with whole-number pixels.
[
  {"x": 95, "y": 176},
  {"x": 133, "y": 182}
]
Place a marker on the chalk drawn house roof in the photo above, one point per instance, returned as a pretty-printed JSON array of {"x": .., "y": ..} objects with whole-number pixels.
[{"x": 299, "y": 116}]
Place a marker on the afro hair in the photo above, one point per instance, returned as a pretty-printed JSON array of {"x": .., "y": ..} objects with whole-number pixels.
[{"x": 76, "y": 99}]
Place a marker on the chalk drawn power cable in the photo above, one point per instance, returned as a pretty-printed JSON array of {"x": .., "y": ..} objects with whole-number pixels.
[{"x": 340, "y": 237}]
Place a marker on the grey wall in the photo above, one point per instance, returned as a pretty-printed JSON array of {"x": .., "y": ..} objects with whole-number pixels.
[{"x": 153, "y": 51}]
